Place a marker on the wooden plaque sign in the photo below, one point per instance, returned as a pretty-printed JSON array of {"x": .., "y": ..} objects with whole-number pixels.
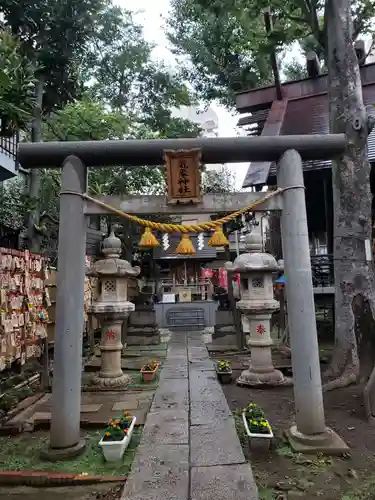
[{"x": 183, "y": 176}]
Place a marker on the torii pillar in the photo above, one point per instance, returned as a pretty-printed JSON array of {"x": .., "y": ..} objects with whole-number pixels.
[{"x": 309, "y": 434}]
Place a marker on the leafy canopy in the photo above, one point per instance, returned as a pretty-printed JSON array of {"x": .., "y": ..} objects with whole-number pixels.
[
  {"x": 53, "y": 34},
  {"x": 226, "y": 43},
  {"x": 16, "y": 84}
]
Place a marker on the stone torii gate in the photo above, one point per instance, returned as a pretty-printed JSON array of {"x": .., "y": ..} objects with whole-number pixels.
[{"x": 309, "y": 431}]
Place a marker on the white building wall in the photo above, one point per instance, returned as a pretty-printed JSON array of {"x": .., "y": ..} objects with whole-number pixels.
[{"x": 207, "y": 120}]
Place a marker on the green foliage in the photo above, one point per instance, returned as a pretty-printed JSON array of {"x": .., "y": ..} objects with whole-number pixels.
[
  {"x": 85, "y": 120},
  {"x": 14, "y": 203},
  {"x": 218, "y": 181},
  {"x": 22, "y": 452},
  {"x": 118, "y": 427},
  {"x": 294, "y": 70},
  {"x": 53, "y": 34},
  {"x": 228, "y": 48},
  {"x": 256, "y": 420},
  {"x": 118, "y": 69},
  {"x": 16, "y": 84},
  {"x": 99, "y": 83},
  {"x": 223, "y": 366}
]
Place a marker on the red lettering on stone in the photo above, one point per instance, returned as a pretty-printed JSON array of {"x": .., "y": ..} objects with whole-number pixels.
[
  {"x": 110, "y": 335},
  {"x": 260, "y": 329}
]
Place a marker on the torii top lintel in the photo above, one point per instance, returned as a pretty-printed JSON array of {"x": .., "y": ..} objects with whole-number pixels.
[{"x": 150, "y": 152}]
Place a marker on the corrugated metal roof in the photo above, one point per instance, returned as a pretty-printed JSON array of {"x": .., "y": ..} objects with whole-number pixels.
[
  {"x": 310, "y": 116},
  {"x": 207, "y": 253},
  {"x": 254, "y": 123}
]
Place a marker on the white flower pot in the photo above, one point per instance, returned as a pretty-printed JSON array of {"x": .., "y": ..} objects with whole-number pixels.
[
  {"x": 255, "y": 435},
  {"x": 114, "y": 450}
]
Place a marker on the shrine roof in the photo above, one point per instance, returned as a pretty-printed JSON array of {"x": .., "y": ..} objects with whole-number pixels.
[{"x": 306, "y": 112}]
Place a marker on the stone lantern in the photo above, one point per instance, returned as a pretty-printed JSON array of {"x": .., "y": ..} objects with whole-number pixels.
[
  {"x": 111, "y": 309},
  {"x": 257, "y": 305}
]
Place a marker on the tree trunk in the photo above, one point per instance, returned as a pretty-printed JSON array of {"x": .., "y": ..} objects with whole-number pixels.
[
  {"x": 353, "y": 266},
  {"x": 34, "y": 214},
  {"x": 34, "y": 176}
]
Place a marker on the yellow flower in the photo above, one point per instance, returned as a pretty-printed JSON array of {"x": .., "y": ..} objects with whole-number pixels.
[
  {"x": 107, "y": 434},
  {"x": 117, "y": 421},
  {"x": 84, "y": 474}
]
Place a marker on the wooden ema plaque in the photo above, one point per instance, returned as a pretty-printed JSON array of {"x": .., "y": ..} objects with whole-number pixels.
[{"x": 183, "y": 176}]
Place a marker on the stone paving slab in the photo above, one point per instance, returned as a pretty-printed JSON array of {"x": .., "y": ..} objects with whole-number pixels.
[
  {"x": 90, "y": 408},
  {"x": 172, "y": 394},
  {"x": 223, "y": 482},
  {"x": 196, "y": 352},
  {"x": 174, "y": 373},
  {"x": 129, "y": 404},
  {"x": 203, "y": 365},
  {"x": 166, "y": 427},
  {"x": 172, "y": 362},
  {"x": 207, "y": 412},
  {"x": 99, "y": 419},
  {"x": 159, "y": 473},
  {"x": 215, "y": 444},
  {"x": 156, "y": 347},
  {"x": 190, "y": 449},
  {"x": 96, "y": 408},
  {"x": 204, "y": 386}
]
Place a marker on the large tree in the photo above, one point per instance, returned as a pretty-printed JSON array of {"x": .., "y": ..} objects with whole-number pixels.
[
  {"x": 16, "y": 85},
  {"x": 227, "y": 46},
  {"x": 96, "y": 50},
  {"x": 199, "y": 29},
  {"x": 53, "y": 35},
  {"x": 119, "y": 70}
]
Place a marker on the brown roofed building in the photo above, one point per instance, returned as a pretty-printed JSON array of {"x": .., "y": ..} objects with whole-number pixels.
[{"x": 302, "y": 110}]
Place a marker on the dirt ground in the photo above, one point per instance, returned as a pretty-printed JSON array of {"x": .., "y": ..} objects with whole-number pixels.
[{"x": 283, "y": 474}]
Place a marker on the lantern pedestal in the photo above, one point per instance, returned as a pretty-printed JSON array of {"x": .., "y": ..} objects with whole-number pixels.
[
  {"x": 261, "y": 370},
  {"x": 257, "y": 304},
  {"x": 111, "y": 375},
  {"x": 111, "y": 310}
]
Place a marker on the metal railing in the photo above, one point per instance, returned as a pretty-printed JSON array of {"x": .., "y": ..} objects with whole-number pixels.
[
  {"x": 322, "y": 270},
  {"x": 8, "y": 146}
]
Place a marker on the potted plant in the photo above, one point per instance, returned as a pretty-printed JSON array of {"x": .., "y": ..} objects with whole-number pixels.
[
  {"x": 224, "y": 372},
  {"x": 255, "y": 423},
  {"x": 117, "y": 436},
  {"x": 148, "y": 371}
]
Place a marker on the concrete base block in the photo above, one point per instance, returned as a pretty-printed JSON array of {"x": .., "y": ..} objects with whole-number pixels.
[
  {"x": 328, "y": 442},
  {"x": 143, "y": 331},
  {"x": 57, "y": 454},
  {"x": 140, "y": 337},
  {"x": 272, "y": 378},
  {"x": 114, "y": 383}
]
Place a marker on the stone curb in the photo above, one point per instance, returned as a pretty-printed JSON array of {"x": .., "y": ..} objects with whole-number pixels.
[
  {"x": 22, "y": 407},
  {"x": 28, "y": 478}
]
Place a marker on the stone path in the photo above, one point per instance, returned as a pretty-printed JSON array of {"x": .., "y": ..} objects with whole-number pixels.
[
  {"x": 96, "y": 409},
  {"x": 189, "y": 449}
]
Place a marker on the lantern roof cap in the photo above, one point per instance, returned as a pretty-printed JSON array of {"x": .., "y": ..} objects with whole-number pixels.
[
  {"x": 111, "y": 246},
  {"x": 253, "y": 259}
]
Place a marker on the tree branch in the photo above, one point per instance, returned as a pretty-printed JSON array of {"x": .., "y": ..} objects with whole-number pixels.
[{"x": 310, "y": 14}]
